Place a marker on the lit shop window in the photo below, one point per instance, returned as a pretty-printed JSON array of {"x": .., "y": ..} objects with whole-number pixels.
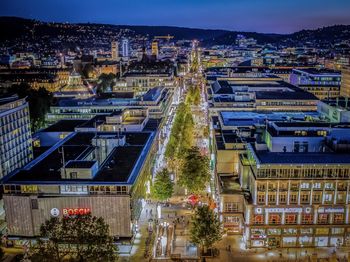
[
  {"x": 274, "y": 231},
  {"x": 306, "y": 231},
  {"x": 337, "y": 230},
  {"x": 290, "y": 231},
  {"x": 291, "y": 219},
  {"x": 274, "y": 219},
  {"x": 322, "y": 231}
]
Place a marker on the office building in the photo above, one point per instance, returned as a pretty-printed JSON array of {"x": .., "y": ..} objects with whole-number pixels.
[
  {"x": 15, "y": 134},
  {"x": 258, "y": 93},
  {"x": 345, "y": 83},
  {"x": 157, "y": 100},
  {"x": 323, "y": 83},
  {"x": 125, "y": 48},
  {"x": 89, "y": 171}
]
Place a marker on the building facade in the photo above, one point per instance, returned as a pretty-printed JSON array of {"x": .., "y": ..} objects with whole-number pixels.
[
  {"x": 298, "y": 177},
  {"x": 345, "y": 85},
  {"x": 15, "y": 134}
]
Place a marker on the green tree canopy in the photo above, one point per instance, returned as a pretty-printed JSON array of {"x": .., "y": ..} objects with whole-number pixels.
[
  {"x": 78, "y": 238},
  {"x": 205, "y": 227},
  {"x": 39, "y": 103},
  {"x": 105, "y": 81},
  {"x": 195, "y": 173},
  {"x": 163, "y": 187}
]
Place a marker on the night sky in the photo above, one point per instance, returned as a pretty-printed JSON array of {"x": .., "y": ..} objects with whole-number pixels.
[{"x": 275, "y": 16}]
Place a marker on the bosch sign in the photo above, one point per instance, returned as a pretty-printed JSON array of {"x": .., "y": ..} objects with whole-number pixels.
[{"x": 67, "y": 212}]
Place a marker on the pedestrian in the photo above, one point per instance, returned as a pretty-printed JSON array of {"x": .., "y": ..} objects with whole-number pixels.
[{"x": 229, "y": 248}]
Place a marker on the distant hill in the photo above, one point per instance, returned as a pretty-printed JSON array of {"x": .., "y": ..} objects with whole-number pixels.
[{"x": 14, "y": 29}]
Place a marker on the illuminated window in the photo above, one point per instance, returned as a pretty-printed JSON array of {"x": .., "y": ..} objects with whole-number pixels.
[
  {"x": 338, "y": 218},
  {"x": 261, "y": 198},
  {"x": 283, "y": 198},
  {"x": 293, "y": 198},
  {"x": 274, "y": 231},
  {"x": 291, "y": 219},
  {"x": 337, "y": 230},
  {"x": 231, "y": 207},
  {"x": 272, "y": 198},
  {"x": 274, "y": 219},
  {"x": 305, "y": 198},
  {"x": 322, "y": 231},
  {"x": 322, "y": 219},
  {"x": 290, "y": 231},
  {"x": 258, "y": 219},
  {"x": 307, "y": 219},
  {"x": 316, "y": 198},
  {"x": 327, "y": 197},
  {"x": 306, "y": 230}
]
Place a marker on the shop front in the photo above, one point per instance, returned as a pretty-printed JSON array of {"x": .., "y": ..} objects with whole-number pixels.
[{"x": 258, "y": 237}]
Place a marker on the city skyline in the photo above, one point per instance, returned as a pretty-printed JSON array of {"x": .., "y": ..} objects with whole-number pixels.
[{"x": 267, "y": 17}]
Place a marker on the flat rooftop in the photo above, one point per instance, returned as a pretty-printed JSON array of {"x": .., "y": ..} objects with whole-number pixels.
[
  {"x": 243, "y": 118},
  {"x": 64, "y": 126},
  {"x": 266, "y": 157},
  {"x": 316, "y": 71},
  {"x": 122, "y": 166}
]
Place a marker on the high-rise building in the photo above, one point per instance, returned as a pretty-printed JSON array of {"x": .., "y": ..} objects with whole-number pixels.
[
  {"x": 125, "y": 48},
  {"x": 345, "y": 82},
  {"x": 115, "y": 50},
  {"x": 155, "y": 49},
  {"x": 15, "y": 135}
]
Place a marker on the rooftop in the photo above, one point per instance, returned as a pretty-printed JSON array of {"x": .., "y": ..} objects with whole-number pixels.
[
  {"x": 121, "y": 166},
  {"x": 315, "y": 71}
]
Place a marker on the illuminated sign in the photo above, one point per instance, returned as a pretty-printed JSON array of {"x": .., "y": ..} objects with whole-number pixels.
[
  {"x": 55, "y": 212},
  {"x": 331, "y": 210},
  {"x": 285, "y": 210},
  {"x": 67, "y": 212}
]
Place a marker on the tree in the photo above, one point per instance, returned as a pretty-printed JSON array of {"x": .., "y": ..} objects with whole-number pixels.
[
  {"x": 163, "y": 187},
  {"x": 78, "y": 238},
  {"x": 195, "y": 172},
  {"x": 205, "y": 228},
  {"x": 105, "y": 81},
  {"x": 39, "y": 103}
]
